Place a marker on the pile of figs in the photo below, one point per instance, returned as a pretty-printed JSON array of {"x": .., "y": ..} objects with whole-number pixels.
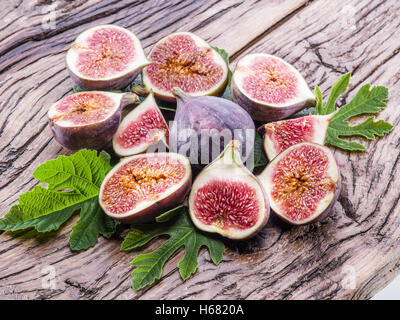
[{"x": 300, "y": 183}]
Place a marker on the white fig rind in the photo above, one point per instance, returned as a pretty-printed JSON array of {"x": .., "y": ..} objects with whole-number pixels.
[
  {"x": 147, "y": 211},
  {"x": 325, "y": 205},
  {"x": 148, "y": 104},
  {"x": 116, "y": 81},
  {"x": 228, "y": 166},
  {"x": 167, "y": 95},
  {"x": 263, "y": 111}
]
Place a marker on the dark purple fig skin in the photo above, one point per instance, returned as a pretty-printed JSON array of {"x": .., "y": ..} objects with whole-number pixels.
[
  {"x": 209, "y": 113},
  {"x": 265, "y": 113},
  {"x": 149, "y": 214},
  {"x": 114, "y": 84},
  {"x": 94, "y": 136}
]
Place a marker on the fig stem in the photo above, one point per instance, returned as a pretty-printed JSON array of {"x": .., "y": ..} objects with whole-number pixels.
[
  {"x": 128, "y": 98},
  {"x": 231, "y": 152},
  {"x": 140, "y": 91},
  {"x": 179, "y": 93}
]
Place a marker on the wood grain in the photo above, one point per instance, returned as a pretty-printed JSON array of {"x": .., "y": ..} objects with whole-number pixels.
[{"x": 357, "y": 242}]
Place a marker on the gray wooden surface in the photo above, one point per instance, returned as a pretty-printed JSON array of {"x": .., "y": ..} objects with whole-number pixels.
[{"x": 350, "y": 255}]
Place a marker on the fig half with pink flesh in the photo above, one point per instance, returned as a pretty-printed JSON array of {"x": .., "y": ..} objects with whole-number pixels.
[
  {"x": 88, "y": 119},
  {"x": 227, "y": 199},
  {"x": 142, "y": 187},
  {"x": 269, "y": 88},
  {"x": 302, "y": 183},
  {"x": 105, "y": 57},
  {"x": 184, "y": 60},
  {"x": 280, "y": 135},
  {"x": 141, "y": 128}
]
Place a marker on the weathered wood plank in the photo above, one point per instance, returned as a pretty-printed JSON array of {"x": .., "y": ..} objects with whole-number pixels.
[
  {"x": 359, "y": 241},
  {"x": 33, "y": 76}
]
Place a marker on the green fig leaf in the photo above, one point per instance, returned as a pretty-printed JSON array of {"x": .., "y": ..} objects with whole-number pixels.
[
  {"x": 73, "y": 184},
  {"x": 182, "y": 234}
]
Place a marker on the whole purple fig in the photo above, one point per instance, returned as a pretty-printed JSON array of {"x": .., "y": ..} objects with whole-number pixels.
[{"x": 204, "y": 125}]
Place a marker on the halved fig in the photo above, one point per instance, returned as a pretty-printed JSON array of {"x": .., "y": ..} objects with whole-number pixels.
[
  {"x": 302, "y": 183},
  {"x": 142, "y": 128},
  {"x": 280, "y": 135},
  {"x": 186, "y": 61},
  {"x": 88, "y": 119},
  {"x": 105, "y": 57},
  {"x": 227, "y": 199},
  {"x": 142, "y": 187},
  {"x": 269, "y": 88}
]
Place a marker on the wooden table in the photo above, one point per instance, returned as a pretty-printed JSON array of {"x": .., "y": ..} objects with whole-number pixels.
[{"x": 351, "y": 255}]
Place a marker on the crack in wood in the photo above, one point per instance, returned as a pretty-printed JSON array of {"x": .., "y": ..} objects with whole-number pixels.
[{"x": 82, "y": 289}]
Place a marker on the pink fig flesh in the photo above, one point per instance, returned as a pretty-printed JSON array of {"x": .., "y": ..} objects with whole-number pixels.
[
  {"x": 87, "y": 119},
  {"x": 269, "y": 88},
  {"x": 142, "y": 128},
  {"x": 227, "y": 198},
  {"x": 105, "y": 57},
  {"x": 280, "y": 135},
  {"x": 184, "y": 60},
  {"x": 302, "y": 183},
  {"x": 142, "y": 187}
]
